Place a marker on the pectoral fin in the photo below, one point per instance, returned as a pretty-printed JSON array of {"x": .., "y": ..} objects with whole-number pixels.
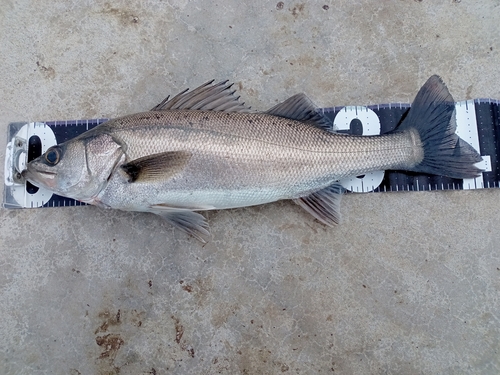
[
  {"x": 188, "y": 221},
  {"x": 156, "y": 167},
  {"x": 324, "y": 205}
]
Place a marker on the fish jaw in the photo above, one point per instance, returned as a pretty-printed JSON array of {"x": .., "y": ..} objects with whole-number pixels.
[{"x": 38, "y": 175}]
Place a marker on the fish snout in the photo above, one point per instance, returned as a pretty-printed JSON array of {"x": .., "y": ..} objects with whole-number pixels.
[{"x": 39, "y": 176}]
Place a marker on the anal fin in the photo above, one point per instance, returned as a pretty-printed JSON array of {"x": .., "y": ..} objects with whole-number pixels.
[{"x": 324, "y": 204}]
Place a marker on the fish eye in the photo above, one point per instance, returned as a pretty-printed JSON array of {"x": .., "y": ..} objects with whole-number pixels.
[{"x": 53, "y": 155}]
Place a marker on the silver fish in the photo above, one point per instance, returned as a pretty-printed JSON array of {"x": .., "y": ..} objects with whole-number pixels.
[{"x": 204, "y": 150}]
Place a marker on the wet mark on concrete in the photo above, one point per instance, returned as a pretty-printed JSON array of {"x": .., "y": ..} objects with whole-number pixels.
[
  {"x": 253, "y": 360},
  {"x": 224, "y": 313},
  {"x": 124, "y": 16},
  {"x": 199, "y": 288},
  {"x": 47, "y": 71},
  {"x": 188, "y": 288},
  {"x": 296, "y": 10},
  {"x": 110, "y": 345},
  {"x": 111, "y": 335},
  {"x": 179, "y": 332},
  {"x": 136, "y": 317},
  {"x": 109, "y": 320}
]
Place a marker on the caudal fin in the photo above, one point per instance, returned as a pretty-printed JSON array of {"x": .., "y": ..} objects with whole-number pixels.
[{"x": 432, "y": 114}]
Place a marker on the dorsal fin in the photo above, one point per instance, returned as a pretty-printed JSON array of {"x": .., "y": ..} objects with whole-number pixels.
[
  {"x": 299, "y": 107},
  {"x": 207, "y": 97}
]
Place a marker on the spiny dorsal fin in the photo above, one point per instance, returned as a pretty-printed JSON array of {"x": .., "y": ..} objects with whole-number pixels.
[
  {"x": 156, "y": 167},
  {"x": 299, "y": 107},
  {"x": 207, "y": 97},
  {"x": 324, "y": 205}
]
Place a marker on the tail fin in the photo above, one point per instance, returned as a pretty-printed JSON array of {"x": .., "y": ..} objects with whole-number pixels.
[{"x": 432, "y": 115}]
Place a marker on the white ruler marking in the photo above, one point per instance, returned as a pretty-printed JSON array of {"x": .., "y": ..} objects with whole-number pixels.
[{"x": 467, "y": 130}]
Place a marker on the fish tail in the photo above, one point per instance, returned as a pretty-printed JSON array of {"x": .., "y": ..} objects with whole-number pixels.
[{"x": 432, "y": 116}]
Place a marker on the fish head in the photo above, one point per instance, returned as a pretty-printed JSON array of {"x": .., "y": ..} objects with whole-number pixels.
[{"x": 78, "y": 169}]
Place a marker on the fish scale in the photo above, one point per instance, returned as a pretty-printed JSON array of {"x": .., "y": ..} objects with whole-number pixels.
[{"x": 298, "y": 151}]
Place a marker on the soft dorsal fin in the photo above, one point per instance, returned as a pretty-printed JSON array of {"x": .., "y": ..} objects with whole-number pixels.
[
  {"x": 299, "y": 107},
  {"x": 156, "y": 167},
  {"x": 324, "y": 205},
  {"x": 207, "y": 97}
]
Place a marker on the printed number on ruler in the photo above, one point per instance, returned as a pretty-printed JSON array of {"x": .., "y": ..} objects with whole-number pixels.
[
  {"x": 370, "y": 124},
  {"x": 38, "y": 135}
]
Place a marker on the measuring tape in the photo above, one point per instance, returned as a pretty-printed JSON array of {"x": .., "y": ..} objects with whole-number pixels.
[{"x": 478, "y": 123}]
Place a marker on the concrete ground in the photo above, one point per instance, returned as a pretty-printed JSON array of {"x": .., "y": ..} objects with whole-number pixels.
[{"x": 408, "y": 284}]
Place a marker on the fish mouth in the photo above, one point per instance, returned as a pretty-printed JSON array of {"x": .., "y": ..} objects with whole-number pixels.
[
  {"x": 39, "y": 177},
  {"x": 26, "y": 173}
]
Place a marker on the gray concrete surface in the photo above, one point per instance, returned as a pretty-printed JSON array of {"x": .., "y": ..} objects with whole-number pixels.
[{"x": 408, "y": 284}]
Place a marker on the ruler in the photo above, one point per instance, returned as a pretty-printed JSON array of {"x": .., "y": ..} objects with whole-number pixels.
[{"x": 477, "y": 121}]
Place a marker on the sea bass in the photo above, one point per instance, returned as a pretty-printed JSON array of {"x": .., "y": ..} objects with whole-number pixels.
[{"x": 204, "y": 150}]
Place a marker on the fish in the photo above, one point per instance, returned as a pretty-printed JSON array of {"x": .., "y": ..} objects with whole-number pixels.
[{"x": 205, "y": 150}]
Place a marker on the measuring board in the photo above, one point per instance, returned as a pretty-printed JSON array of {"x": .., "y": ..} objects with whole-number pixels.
[{"x": 477, "y": 123}]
